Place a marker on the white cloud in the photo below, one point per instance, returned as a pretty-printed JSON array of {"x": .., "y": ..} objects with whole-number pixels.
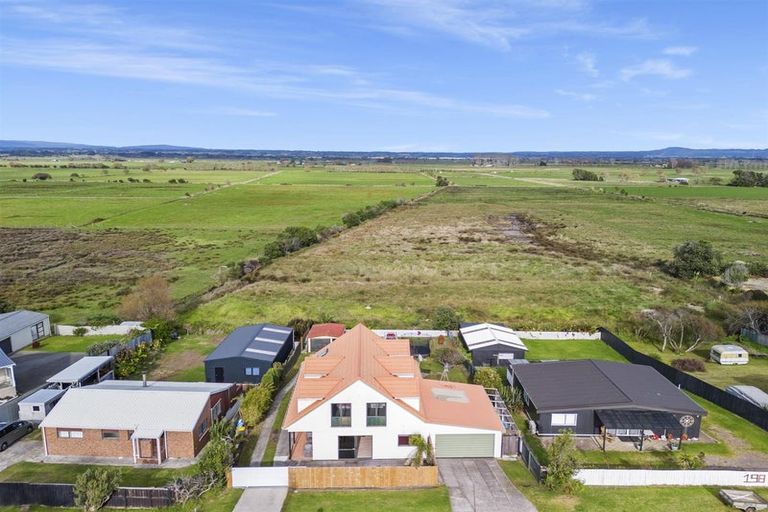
[
  {"x": 498, "y": 23},
  {"x": 682, "y": 51},
  {"x": 655, "y": 67},
  {"x": 576, "y": 95},
  {"x": 588, "y": 63}
]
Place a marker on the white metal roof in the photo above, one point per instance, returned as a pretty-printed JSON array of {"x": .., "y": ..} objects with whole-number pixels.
[
  {"x": 80, "y": 369},
  {"x": 727, "y": 348},
  {"x": 159, "y": 385},
  {"x": 127, "y": 409},
  {"x": 483, "y": 335},
  {"x": 42, "y": 396}
]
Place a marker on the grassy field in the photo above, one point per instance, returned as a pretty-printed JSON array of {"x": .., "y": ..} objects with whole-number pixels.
[
  {"x": 539, "y": 350},
  {"x": 72, "y": 343},
  {"x": 611, "y": 499},
  {"x": 423, "y": 500}
]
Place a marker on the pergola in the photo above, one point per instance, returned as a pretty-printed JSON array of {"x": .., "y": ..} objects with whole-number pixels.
[
  {"x": 656, "y": 421},
  {"x": 154, "y": 435}
]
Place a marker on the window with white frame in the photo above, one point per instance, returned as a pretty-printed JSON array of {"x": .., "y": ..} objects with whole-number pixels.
[
  {"x": 252, "y": 371},
  {"x": 216, "y": 411},
  {"x": 564, "y": 420},
  {"x": 69, "y": 434}
]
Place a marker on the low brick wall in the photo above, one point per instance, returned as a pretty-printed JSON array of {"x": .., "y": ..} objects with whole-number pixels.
[{"x": 362, "y": 477}]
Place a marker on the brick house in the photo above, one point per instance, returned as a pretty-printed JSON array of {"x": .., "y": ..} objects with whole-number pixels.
[{"x": 147, "y": 421}]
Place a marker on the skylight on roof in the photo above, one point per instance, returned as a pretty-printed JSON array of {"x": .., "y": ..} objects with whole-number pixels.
[{"x": 450, "y": 395}]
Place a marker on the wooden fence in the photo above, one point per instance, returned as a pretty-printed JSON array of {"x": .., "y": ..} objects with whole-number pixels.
[
  {"x": 372, "y": 477},
  {"x": 732, "y": 403}
]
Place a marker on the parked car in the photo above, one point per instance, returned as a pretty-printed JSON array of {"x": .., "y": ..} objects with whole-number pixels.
[{"x": 12, "y": 432}]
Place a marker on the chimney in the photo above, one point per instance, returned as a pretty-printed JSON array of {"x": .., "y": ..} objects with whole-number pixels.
[{"x": 144, "y": 380}]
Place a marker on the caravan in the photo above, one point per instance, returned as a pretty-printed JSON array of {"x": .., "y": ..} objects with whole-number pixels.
[{"x": 728, "y": 354}]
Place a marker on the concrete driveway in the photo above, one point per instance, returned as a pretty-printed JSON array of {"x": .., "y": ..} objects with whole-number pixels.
[
  {"x": 20, "y": 451},
  {"x": 262, "y": 499},
  {"x": 480, "y": 485},
  {"x": 33, "y": 368}
]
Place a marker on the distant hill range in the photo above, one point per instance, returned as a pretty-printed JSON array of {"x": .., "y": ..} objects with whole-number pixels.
[{"x": 43, "y": 148}]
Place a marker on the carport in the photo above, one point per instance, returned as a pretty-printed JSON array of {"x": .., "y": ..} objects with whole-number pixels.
[{"x": 636, "y": 423}]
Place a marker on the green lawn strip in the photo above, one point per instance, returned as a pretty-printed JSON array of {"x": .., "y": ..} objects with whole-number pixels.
[
  {"x": 247, "y": 447},
  {"x": 67, "y": 473},
  {"x": 739, "y": 427},
  {"x": 422, "y": 500},
  {"x": 269, "y": 452},
  {"x": 434, "y": 371},
  {"x": 611, "y": 499},
  {"x": 539, "y": 350},
  {"x": 73, "y": 343}
]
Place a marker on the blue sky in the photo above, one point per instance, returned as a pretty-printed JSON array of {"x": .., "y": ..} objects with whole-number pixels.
[{"x": 399, "y": 75}]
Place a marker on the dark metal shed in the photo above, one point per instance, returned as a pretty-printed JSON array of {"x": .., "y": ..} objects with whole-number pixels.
[{"x": 248, "y": 352}]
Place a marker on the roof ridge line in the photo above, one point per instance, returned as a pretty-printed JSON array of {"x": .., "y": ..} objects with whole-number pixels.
[{"x": 594, "y": 363}]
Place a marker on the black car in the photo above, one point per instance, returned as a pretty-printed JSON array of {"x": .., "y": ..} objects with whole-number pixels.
[{"x": 12, "y": 432}]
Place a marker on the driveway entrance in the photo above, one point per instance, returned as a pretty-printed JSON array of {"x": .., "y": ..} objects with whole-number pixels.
[{"x": 480, "y": 485}]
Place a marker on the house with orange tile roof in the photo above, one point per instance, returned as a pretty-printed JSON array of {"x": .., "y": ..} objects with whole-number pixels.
[
  {"x": 363, "y": 396},
  {"x": 320, "y": 335}
]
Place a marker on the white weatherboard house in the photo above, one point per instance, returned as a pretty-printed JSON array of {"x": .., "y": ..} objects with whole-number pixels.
[
  {"x": 363, "y": 397},
  {"x": 21, "y": 328}
]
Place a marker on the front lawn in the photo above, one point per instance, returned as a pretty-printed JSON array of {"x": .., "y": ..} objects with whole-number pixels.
[
  {"x": 612, "y": 499},
  {"x": 72, "y": 343},
  {"x": 67, "y": 473},
  {"x": 539, "y": 350},
  {"x": 422, "y": 500}
]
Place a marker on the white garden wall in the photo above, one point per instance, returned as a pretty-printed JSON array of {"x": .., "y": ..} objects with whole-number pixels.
[
  {"x": 644, "y": 477},
  {"x": 112, "y": 330}
]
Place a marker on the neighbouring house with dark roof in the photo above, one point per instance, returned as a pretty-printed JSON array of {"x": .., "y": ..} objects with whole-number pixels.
[
  {"x": 320, "y": 335},
  {"x": 7, "y": 377},
  {"x": 583, "y": 396},
  {"x": 21, "y": 328},
  {"x": 491, "y": 344},
  {"x": 248, "y": 352}
]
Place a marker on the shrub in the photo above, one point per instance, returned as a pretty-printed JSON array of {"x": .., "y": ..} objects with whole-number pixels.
[
  {"x": 218, "y": 455},
  {"x": 758, "y": 268},
  {"x": 448, "y": 355},
  {"x": 689, "y": 364},
  {"x": 736, "y": 274},
  {"x": 172, "y": 180},
  {"x": 513, "y": 398},
  {"x": 442, "y": 181},
  {"x": 42, "y": 176},
  {"x": 94, "y": 487},
  {"x": 585, "y": 175},
  {"x": 101, "y": 347},
  {"x": 488, "y": 378},
  {"x": 695, "y": 258},
  {"x": 716, "y": 180},
  {"x": 563, "y": 463},
  {"x": 749, "y": 179},
  {"x": 256, "y": 402},
  {"x": 151, "y": 298},
  {"x": 74, "y": 175},
  {"x": 446, "y": 319},
  {"x": 79, "y": 331},
  {"x": 690, "y": 461}
]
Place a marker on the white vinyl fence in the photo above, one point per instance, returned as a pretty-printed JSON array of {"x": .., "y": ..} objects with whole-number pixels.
[
  {"x": 260, "y": 477},
  {"x": 412, "y": 333},
  {"x": 116, "y": 330},
  {"x": 557, "y": 335},
  {"x": 643, "y": 477}
]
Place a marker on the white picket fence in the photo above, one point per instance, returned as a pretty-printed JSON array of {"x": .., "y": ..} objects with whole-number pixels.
[
  {"x": 644, "y": 477},
  {"x": 112, "y": 330},
  {"x": 260, "y": 477}
]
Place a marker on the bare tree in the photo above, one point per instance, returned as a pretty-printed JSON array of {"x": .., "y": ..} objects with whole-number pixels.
[
  {"x": 150, "y": 299},
  {"x": 680, "y": 330}
]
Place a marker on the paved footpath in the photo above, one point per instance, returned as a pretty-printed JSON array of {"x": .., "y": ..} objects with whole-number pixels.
[
  {"x": 480, "y": 485},
  {"x": 265, "y": 499},
  {"x": 266, "y": 425}
]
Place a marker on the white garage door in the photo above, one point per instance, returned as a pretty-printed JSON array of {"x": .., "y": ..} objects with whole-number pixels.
[{"x": 464, "y": 445}]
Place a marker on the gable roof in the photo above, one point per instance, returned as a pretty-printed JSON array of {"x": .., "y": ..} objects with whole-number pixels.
[
  {"x": 260, "y": 341},
  {"x": 14, "y": 321},
  {"x": 5, "y": 361},
  {"x": 127, "y": 409},
  {"x": 588, "y": 384},
  {"x": 325, "y": 331},
  {"x": 388, "y": 368},
  {"x": 485, "y": 335}
]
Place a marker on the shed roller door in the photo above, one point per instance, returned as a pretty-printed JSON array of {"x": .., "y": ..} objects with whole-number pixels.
[{"x": 464, "y": 445}]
